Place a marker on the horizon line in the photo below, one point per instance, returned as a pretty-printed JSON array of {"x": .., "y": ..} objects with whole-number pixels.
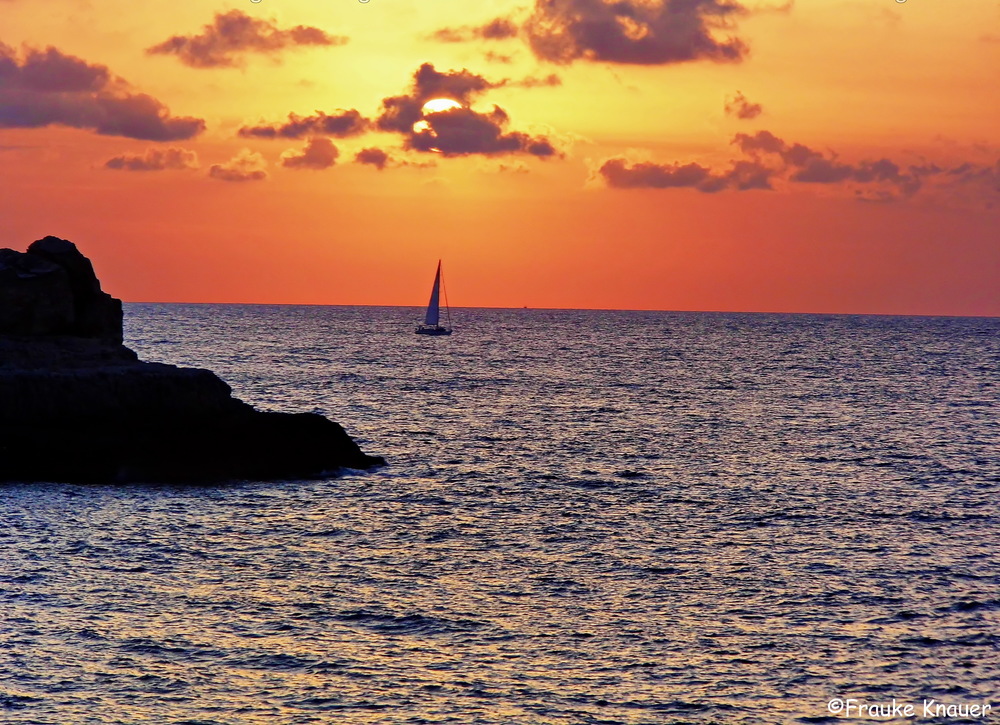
[{"x": 585, "y": 309}]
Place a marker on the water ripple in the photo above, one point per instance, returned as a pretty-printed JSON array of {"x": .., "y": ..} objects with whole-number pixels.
[{"x": 626, "y": 518}]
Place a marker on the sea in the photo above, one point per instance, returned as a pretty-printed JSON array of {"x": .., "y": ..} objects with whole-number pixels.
[{"x": 587, "y": 517}]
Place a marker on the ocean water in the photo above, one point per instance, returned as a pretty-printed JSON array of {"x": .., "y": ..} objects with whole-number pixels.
[{"x": 587, "y": 517}]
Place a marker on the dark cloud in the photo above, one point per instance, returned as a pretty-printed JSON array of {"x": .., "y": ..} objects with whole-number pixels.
[
  {"x": 618, "y": 174},
  {"x": 340, "y": 124},
  {"x": 647, "y": 32},
  {"x": 49, "y": 87},
  {"x": 247, "y": 165},
  {"x": 461, "y": 130},
  {"x": 740, "y": 107},
  {"x": 805, "y": 165},
  {"x": 50, "y": 71},
  {"x": 985, "y": 176},
  {"x": 318, "y": 153},
  {"x": 761, "y": 141},
  {"x": 372, "y": 156},
  {"x": 496, "y": 29},
  {"x": 462, "y": 85},
  {"x": 399, "y": 113},
  {"x": 743, "y": 175},
  {"x": 235, "y": 33},
  {"x": 770, "y": 157},
  {"x": 155, "y": 160}
]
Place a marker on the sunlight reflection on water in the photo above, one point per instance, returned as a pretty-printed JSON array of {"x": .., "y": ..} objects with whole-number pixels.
[{"x": 588, "y": 517}]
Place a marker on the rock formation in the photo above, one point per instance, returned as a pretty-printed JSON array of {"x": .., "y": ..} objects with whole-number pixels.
[{"x": 77, "y": 405}]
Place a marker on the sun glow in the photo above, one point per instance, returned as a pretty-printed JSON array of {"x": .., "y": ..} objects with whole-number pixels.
[{"x": 436, "y": 105}]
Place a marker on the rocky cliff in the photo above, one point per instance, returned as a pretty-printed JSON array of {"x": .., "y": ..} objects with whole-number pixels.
[{"x": 77, "y": 405}]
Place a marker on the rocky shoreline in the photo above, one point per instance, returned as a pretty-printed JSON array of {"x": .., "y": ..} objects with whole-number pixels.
[{"x": 78, "y": 406}]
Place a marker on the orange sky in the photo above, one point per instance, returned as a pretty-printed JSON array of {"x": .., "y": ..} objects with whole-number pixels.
[{"x": 592, "y": 161}]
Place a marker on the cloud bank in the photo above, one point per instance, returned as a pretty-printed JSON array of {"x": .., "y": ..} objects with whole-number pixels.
[{"x": 770, "y": 158}]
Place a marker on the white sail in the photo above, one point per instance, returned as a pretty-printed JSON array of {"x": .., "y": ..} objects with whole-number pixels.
[{"x": 433, "y": 307}]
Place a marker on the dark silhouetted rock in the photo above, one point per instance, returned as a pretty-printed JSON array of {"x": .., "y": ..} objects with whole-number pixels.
[
  {"x": 95, "y": 313},
  {"x": 52, "y": 290},
  {"x": 77, "y": 405}
]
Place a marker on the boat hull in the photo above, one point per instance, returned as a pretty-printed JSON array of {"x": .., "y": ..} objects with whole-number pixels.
[{"x": 432, "y": 330}]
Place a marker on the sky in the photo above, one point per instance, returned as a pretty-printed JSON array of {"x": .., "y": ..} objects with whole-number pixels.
[{"x": 827, "y": 156}]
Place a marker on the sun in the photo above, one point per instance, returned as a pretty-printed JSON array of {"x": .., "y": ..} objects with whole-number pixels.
[
  {"x": 436, "y": 105},
  {"x": 424, "y": 126}
]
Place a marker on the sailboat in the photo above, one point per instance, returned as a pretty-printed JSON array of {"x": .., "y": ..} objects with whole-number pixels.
[{"x": 431, "y": 324}]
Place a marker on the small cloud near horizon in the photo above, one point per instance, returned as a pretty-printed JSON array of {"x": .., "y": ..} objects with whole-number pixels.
[
  {"x": 770, "y": 158},
  {"x": 381, "y": 159},
  {"x": 155, "y": 159},
  {"x": 247, "y": 165}
]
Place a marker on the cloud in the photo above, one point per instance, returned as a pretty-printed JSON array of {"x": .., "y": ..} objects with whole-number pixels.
[
  {"x": 381, "y": 159},
  {"x": 457, "y": 131},
  {"x": 341, "y": 125},
  {"x": 462, "y": 131},
  {"x": 740, "y": 107},
  {"x": 770, "y": 158},
  {"x": 503, "y": 168},
  {"x": 48, "y": 87},
  {"x": 235, "y": 33},
  {"x": 743, "y": 175},
  {"x": 492, "y": 57},
  {"x": 318, "y": 153},
  {"x": 247, "y": 165},
  {"x": 496, "y": 29},
  {"x": 805, "y": 165},
  {"x": 399, "y": 113},
  {"x": 372, "y": 156},
  {"x": 646, "y": 32},
  {"x": 155, "y": 159},
  {"x": 534, "y": 82},
  {"x": 50, "y": 71}
]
